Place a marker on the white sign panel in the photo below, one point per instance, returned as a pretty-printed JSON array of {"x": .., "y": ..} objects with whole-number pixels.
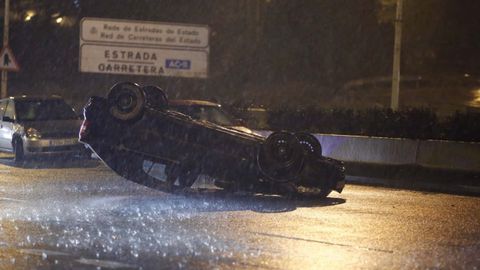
[
  {"x": 143, "y": 61},
  {"x": 143, "y": 48},
  {"x": 144, "y": 33}
]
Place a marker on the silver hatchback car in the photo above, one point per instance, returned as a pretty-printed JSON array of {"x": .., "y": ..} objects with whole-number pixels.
[{"x": 35, "y": 126}]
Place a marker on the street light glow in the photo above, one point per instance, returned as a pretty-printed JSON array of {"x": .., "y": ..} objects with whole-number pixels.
[{"x": 29, "y": 15}]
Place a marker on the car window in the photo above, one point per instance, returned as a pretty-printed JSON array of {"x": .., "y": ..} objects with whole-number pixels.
[
  {"x": 42, "y": 110},
  {"x": 10, "y": 110},
  {"x": 211, "y": 114}
]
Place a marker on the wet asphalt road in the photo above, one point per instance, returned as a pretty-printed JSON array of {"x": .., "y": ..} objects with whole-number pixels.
[{"x": 80, "y": 215}]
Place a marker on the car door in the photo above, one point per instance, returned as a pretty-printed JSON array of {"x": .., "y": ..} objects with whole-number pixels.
[{"x": 7, "y": 112}]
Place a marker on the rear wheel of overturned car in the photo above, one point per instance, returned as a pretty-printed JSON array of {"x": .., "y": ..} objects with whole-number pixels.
[
  {"x": 126, "y": 101},
  {"x": 19, "y": 155},
  {"x": 281, "y": 157}
]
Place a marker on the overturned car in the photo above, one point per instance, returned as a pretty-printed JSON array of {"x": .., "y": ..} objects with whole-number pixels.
[{"x": 134, "y": 124}]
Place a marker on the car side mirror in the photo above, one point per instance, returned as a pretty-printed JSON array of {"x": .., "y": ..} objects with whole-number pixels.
[{"x": 7, "y": 119}]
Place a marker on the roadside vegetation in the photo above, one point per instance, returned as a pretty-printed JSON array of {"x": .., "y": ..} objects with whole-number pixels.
[{"x": 414, "y": 123}]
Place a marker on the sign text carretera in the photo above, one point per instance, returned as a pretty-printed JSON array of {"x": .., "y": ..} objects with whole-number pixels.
[{"x": 143, "y": 48}]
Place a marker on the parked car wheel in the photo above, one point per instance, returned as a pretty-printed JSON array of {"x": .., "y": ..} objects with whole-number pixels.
[
  {"x": 19, "y": 155},
  {"x": 281, "y": 157},
  {"x": 126, "y": 101}
]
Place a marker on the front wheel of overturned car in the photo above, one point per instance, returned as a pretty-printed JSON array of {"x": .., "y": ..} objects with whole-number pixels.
[
  {"x": 281, "y": 157},
  {"x": 126, "y": 101}
]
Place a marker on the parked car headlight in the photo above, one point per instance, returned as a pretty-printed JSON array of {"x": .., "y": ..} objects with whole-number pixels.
[{"x": 33, "y": 133}]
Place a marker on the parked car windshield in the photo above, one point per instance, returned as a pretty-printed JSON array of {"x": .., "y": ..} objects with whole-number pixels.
[
  {"x": 211, "y": 114},
  {"x": 42, "y": 110}
]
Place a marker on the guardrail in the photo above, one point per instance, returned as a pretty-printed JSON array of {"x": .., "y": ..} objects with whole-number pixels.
[{"x": 430, "y": 153}]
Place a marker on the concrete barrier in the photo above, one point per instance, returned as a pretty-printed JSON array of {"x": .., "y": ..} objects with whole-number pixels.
[
  {"x": 430, "y": 153},
  {"x": 368, "y": 149},
  {"x": 449, "y": 155}
]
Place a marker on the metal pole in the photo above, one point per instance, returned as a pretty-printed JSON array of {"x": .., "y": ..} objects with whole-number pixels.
[
  {"x": 396, "y": 57},
  {"x": 257, "y": 22},
  {"x": 4, "y": 91}
]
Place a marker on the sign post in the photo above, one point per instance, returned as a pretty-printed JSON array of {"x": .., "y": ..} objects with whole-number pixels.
[
  {"x": 396, "y": 57},
  {"x": 4, "y": 91},
  {"x": 113, "y": 46}
]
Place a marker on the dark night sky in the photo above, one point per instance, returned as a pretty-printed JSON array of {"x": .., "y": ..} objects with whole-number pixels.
[{"x": 325, "y": 42}]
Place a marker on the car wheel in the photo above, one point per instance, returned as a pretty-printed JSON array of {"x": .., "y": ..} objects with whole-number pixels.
[
  {"x": 310, "y": 144},
  {"x": 126, "y": 101},
  {"x": 281, "y": 157},
  {"x": 19, "y": 155},
  {"x": 155, "y": 97}
]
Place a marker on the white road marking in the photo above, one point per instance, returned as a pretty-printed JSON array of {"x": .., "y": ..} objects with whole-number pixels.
[
  {"x": 11, "y": 200},
  {"x": 105, "y": 264},
  {"x": 43, "y": 252}
]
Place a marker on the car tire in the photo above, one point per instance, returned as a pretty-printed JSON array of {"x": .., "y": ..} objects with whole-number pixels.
[
  {"x": 281, "y": 157},
  {"x": 126, "y": 101},
  {"x": 18, "y": 153}
]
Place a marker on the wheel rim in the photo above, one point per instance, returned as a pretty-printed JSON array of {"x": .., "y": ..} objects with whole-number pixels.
[
  {"x": 126, "y": 101},
  {"x": 281, "y": 157}
]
